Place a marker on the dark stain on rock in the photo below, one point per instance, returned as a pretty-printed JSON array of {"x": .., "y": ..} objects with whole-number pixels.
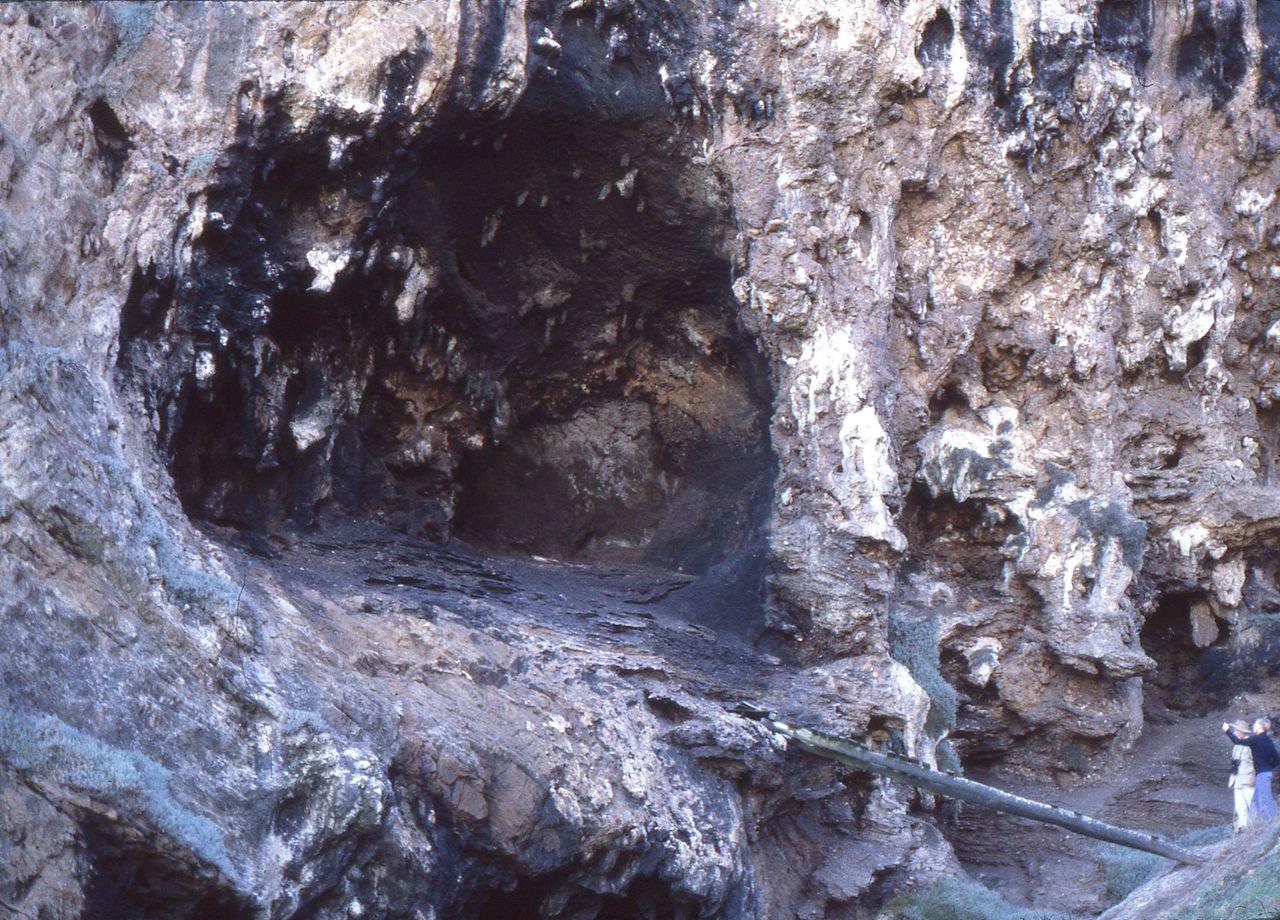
[
  {"x": 1123, "y": 31},
  {"x": 1211, "y": 57}
]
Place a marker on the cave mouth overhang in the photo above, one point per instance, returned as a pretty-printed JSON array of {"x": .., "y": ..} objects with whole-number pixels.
[{"x": 519, "y": 332}]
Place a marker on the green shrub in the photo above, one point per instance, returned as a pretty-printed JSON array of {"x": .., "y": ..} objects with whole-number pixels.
[
  {"x": 132, "y": 19},
  {"x": 914, "y": 645},
  {"x": 182, "y": 583},
  {"x": 961, "y": 899},
  {"x": 44, "y": 746},
  {"x": 1127, "y": 869},
  {"x": 948, "y": 759}
]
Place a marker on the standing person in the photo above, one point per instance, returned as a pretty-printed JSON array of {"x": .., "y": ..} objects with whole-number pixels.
[
  {"x": 1242, "y": 776},
  {"x": 1265, "y": 759}
]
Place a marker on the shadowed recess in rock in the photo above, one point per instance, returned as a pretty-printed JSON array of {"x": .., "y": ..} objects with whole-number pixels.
[
  {"x": 111, "y": 137},
  {"x": 644, "y": 899},
  {"x": 935, "y": 41},
  {"x": 1212, "y": 57},
  {"x": 1176, "y": 635},
  {"x": 1123, "y": 29},
  {"x": 520, "y": 331},
  {"x": 127, "y": 880},
  {"x": 1269, "y": 34}
]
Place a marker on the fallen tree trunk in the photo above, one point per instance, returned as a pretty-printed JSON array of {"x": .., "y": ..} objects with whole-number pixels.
[{"x": 912, "y": 773}]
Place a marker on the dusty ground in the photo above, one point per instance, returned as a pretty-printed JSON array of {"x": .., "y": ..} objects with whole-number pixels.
[
  {"x": 1173, "y": 781},
  {"x": 356, "y": 568}
]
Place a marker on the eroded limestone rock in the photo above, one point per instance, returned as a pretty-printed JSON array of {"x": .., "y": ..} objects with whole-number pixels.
[{"x": 831, "y": 313}]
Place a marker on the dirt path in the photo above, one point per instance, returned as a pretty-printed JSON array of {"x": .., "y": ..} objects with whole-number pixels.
[{"x": 1172, "y": 781}]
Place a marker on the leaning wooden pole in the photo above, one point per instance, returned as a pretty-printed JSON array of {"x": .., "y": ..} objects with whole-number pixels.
[{"x": 966, "y": 790}]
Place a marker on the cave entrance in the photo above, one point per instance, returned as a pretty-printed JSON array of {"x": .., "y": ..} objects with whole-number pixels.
[
  {"x": 1167, "y": 635},
  {"x": 639, "y": 405},
  {"x": 520, "y": 332}
]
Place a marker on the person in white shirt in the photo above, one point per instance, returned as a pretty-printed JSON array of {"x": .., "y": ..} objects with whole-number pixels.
[{"x": 1242, "y": 778}]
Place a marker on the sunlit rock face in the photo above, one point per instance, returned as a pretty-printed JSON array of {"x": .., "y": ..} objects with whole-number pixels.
[{"x": 420, "y": 422}]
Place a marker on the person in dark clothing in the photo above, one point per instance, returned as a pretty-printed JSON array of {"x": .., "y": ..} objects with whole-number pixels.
[{"x": 1265, "y": 759}]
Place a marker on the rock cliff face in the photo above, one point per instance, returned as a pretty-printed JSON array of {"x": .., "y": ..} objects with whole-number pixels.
[{"x": 420, "y": 423}]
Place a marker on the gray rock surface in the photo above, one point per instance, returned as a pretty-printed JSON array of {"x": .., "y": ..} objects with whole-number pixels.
[{"x": 421, "y": 422}]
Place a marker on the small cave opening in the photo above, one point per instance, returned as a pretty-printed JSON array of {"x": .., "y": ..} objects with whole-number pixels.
[
  {"x": 1176, "y": 635},
  {"x": 1212, "y": 57},
  {"x": 128, "y": 879},
  {"x": 1268, "y": 443},
  {"x": 961, "y": 539},
  {"x": 1269, "y": 64},
  {"x": 1123, "y": 30},
  {"x": 519, "y": 332},
  {"x": 645, "y": 898},
  {"x": 947, "y": 398},
  {"x": 934, "y": 49},
  {"x": 1195, "y": 353},
  {"x": 112, "y": 139}
]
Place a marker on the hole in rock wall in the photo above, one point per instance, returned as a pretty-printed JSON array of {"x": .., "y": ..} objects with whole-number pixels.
[
  {"x": 1000, "y": 51},
  {"x": 964, "y": 541},
  {"x": 1268, "y": 443},
  {"x": 1123, "y": 30},
  {"x": 1251, "y": 658},
  {"x": 111, "y": 138},
  {"x": 644, "y": 899},
  {"x": 1269, "y": 34},
  {"x": 1227, "y": 671},
  {"x": 1169, "y": 636},
  {"x": 947, "y": 398},
  {"x": 1212, "y": 57},
  {"x": 519, "y": 332},
  {"x": 935, "y": 41},
  {"x": 127, "y": 880}
]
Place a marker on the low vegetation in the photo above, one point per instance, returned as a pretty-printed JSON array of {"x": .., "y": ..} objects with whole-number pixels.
[
  {"x": 1128, "y": 869},
  {"x": 914, "y": 644},
  {"x": 961, "y": 899}
]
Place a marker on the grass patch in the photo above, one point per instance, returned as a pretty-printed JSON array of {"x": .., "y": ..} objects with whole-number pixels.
[
  {"x": 132, "y": 19},
  {"x": 1127, "y": 869},
  {"x": 1253, "y": 893},
  {"x": 962, "y": 899},
  {"x": 948, "y": 759},
  {"x": 182, "y": 583},
  {"x": 45, "y": 746}
]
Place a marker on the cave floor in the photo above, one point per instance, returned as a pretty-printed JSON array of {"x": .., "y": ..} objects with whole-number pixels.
[{"x": 698, "y": 631}]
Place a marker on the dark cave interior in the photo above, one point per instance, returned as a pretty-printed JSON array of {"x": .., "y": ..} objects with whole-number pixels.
[
  {"x": 1167, "y": 637},
  {"x": 518, "y": 332}
]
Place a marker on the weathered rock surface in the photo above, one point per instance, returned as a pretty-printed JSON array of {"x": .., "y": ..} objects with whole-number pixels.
[{"x": 419, "y": 422}]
